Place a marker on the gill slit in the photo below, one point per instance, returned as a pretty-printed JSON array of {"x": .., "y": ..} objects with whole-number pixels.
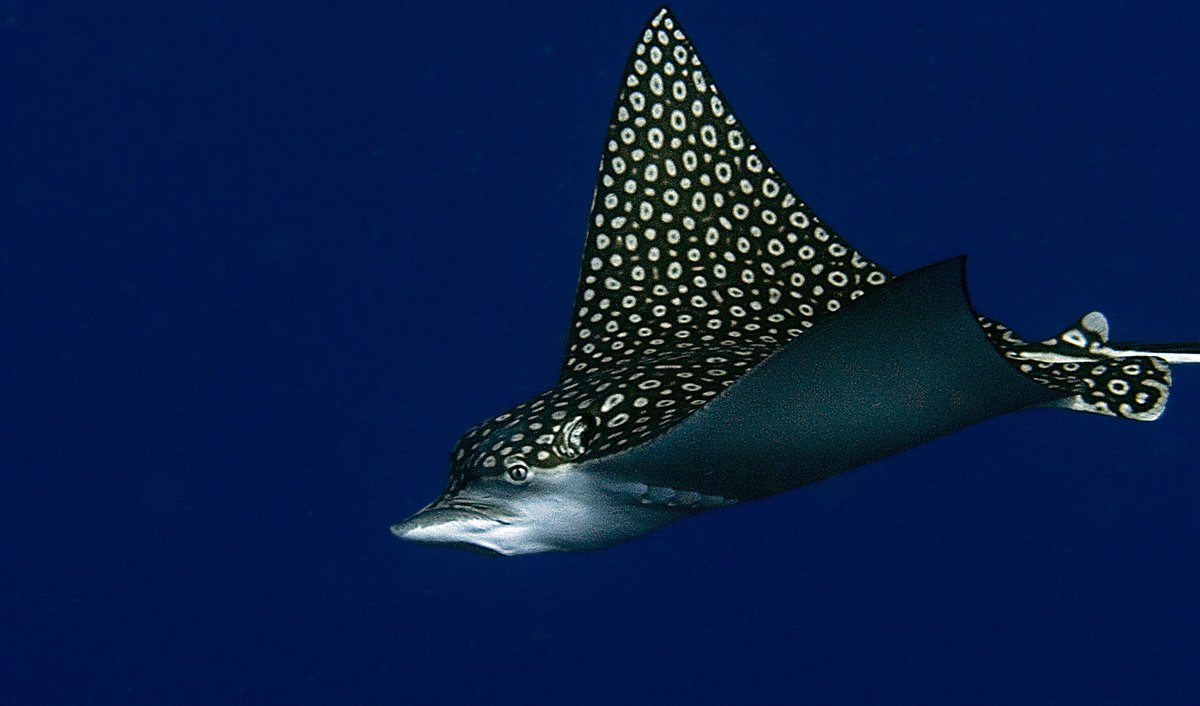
[{"x": 666, "y": 496}]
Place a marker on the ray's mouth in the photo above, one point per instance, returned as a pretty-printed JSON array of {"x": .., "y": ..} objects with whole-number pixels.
[
  {"x": 458, "y": 523},
  {"x": 473, "y": 548}
]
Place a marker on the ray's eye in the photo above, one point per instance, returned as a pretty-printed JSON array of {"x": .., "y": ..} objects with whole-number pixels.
[{"x": 518, "y": 473}]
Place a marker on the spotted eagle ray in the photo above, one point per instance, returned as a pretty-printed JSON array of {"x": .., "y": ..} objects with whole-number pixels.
[{"x": 727, "y": 345}]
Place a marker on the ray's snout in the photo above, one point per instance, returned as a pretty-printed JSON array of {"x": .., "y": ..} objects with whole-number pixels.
[
  {"x": 447, "y": 526},
  {"x": 427, "y": 519}
]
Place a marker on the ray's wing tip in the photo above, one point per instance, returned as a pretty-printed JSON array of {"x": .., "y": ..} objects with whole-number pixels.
[{"x": 662, "y": 13}]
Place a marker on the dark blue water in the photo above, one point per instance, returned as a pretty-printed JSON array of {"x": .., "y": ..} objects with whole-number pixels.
[{"x": 261, "y": 264}]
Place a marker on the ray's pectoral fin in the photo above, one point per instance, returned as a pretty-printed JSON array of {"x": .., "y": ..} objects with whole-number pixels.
[
  {"x": 694, "y": 238},
  {"x": 906, "y": 365}
]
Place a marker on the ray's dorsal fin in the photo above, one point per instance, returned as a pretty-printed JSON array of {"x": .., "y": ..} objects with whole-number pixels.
[{"x": 694, "y": 240}]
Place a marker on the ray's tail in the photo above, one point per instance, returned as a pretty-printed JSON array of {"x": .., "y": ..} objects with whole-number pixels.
[{"x": 1115, "y": 378}]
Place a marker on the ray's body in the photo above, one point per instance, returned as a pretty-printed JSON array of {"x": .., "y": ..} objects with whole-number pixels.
[{"x": 727, "y": 344}]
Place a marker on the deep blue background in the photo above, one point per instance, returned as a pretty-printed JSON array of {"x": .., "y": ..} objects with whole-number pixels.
[{"x": 263, "y": 262}]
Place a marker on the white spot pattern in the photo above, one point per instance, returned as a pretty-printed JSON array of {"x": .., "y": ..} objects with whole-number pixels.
[
  {"x": 738, "y": 260},
  {"x": 699, "y": 262}
]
